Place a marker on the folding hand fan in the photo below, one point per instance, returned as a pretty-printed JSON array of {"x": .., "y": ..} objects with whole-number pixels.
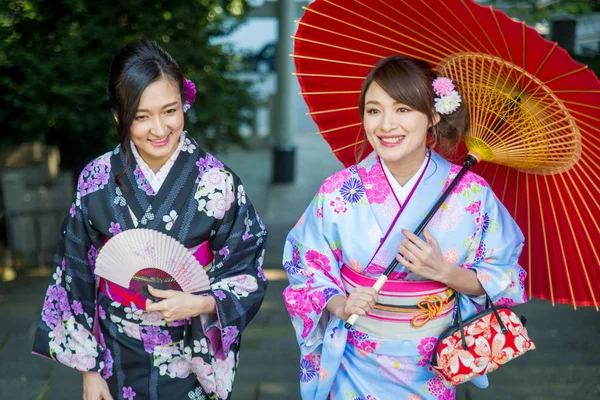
[{"x": 137, "y": 258}]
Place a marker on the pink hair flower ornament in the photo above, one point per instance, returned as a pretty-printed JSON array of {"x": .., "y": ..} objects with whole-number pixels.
[
  {"x": 189, "y": 94},
  {"x": 448, "y": 100}
]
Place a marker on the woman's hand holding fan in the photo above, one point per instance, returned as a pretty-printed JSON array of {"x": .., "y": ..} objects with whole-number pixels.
[
  {"x": 158, "y": 267},
  {"x": 177, "y": 305}
]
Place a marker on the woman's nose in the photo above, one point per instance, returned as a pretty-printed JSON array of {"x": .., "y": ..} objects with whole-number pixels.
[
  {"x": 158, "y": 127},
  {"x": 388, "y": 122}
]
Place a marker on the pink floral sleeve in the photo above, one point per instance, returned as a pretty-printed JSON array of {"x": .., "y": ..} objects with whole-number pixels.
[{"x": 313, "y": 270}]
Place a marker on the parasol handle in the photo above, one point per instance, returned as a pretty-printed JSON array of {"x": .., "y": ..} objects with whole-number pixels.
[{"x": 470, "y": 162}]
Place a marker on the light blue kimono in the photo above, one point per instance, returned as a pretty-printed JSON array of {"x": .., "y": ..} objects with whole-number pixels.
[{"x": 355, "y": 220}]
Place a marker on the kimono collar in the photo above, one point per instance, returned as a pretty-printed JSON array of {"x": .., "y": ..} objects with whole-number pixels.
[
  {"x": 157, "y": 179},
  {"x": 402, "y": 192}
]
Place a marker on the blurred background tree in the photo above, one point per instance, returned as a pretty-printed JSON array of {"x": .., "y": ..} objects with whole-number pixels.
[{"x": 55, "y": 57}]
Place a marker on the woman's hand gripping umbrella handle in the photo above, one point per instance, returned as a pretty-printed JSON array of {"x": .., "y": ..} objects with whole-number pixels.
[{"x": 377, "y": 286}]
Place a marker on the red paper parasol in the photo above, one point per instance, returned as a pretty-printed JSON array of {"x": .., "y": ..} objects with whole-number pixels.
[{"x": 535, "y": 116}]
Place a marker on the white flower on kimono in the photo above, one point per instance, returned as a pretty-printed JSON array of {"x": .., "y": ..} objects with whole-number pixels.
[
  {"x": 162, "y": 370},
  {"x": 170, "y": 219},
  {"x": 148, "y": 216},
  {"x": 339, "y": 205},
  {"x": 132, "y": 312},
  {"x": 88, "y": 319},
  {"x": 152, "y": 318},
  {"x": 179, "y": 367},
  {"x": 187, "y": 146},
  {"x": 57, "y": 276},
  {"x": 201, "y": 346},
  {"x": 85, "y": 362},
  {"x": 119, "y": 199},
  {"x": 196, "y": 394},
  {"x": 217, "y": 205},
  {"x": 510, "y": 282},
  {"x": 130, "y": 329},
  {"x": 162, "y": 355},
  {"x": 204, "y": 373},
  {"x": 213, "y": 179},
  {"x": 239, "y": 285},
  {"x": 241, "y": 195},
  {"x": 57, "y": 335},
  {"x": 223, "y": 372}
]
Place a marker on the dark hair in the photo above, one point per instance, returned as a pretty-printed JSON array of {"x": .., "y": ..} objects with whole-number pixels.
[
  {"x": 409, "y": 81},
  {"x": 133, "y": 68}
]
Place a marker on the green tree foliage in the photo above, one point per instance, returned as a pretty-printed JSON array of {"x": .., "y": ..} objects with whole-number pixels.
[{"x": 55, "y": 57}]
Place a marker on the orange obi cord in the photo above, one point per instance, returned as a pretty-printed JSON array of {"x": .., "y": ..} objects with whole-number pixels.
[{"x": 430, "y": 307}]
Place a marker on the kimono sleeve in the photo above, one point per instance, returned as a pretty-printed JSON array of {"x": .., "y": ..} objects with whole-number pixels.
[
  {"x": 313, "y": 270},
  {"x": 238, "y": 281},
  {"x": 65, "y": 330},
  {"x": 496, "y": 260}
]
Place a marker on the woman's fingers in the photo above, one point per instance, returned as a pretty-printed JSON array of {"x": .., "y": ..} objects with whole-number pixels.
[
  {"x": 106, "y": 395},
  {"x": 369, "y": 299}
]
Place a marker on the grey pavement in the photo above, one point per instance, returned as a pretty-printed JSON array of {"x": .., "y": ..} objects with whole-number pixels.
[{"x": 565, "y": 365}]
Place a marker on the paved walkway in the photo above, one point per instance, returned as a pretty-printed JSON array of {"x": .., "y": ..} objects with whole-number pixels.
[{"x": 566, "y": 364}]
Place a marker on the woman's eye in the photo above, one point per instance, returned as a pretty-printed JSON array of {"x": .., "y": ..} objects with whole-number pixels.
[
  {"x": 372, "y": 111},
  {"x": 171, "y": 111},
  {"x": 403, "y": 110},
  {"x": 140, "y": 117}
]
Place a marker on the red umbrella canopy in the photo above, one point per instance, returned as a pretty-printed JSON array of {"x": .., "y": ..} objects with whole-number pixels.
[{"x": 535, "y": 116}]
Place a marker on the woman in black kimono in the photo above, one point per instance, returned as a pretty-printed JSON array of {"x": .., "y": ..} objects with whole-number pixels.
[{"x": 184, "y": 346}]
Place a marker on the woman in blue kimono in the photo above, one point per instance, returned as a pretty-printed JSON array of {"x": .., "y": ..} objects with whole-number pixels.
[
  {"x": 184, "y": 346},
  {"x": 363, "y": 216}
]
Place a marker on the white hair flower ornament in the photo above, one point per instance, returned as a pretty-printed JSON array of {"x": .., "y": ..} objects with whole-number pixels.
[{"x": 448, "y": 100}]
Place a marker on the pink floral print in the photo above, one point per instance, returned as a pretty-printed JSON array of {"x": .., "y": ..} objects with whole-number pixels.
[
  {"x": 375, "y": 183},
  {"x": 334, "y": 182},
  {"x": 339, "y": 205},
  {"x": 426, "y": 347},
  {"x": 317, "y": 261}
]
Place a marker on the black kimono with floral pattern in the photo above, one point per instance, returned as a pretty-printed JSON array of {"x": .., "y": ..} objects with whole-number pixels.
[{"x": 138, "y": 353}]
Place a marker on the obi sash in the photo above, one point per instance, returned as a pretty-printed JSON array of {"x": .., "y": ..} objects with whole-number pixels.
[
  {"x": 118, "y": 293},
  {"x": 404, "y": 309}
]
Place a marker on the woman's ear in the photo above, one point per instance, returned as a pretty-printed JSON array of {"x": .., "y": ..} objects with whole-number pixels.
[
  {"x": 436, "y": 119},
  {"x": 116, "y": 118}
]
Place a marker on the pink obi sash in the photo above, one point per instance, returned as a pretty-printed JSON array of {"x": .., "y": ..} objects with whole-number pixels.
[
  {"x": 202, "y": 253},
  {"x": 405, "y": 309}
]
